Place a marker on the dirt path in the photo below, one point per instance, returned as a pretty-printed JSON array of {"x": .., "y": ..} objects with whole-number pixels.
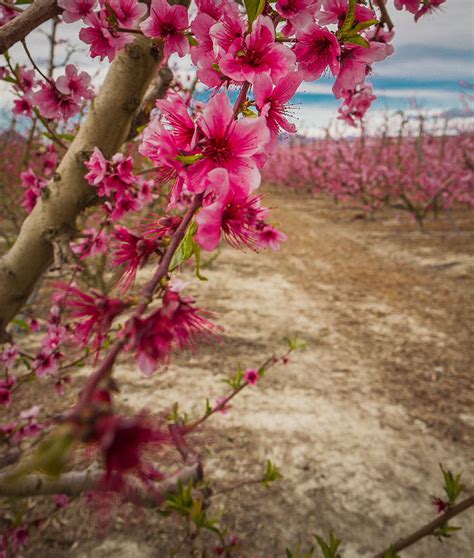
[{"x": 360, "y": 420}]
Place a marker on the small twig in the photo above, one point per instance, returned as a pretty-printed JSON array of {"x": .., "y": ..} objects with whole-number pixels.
[
  {"x": 385, "y": 15},
  {"x": 35, "y": 66},
  {"x": 125, "y": 30},
  {"x": 147, "y": 296},
  {"x": 428, "y": 529}
]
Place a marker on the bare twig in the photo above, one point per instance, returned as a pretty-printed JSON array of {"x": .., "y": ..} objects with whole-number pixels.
[{"x": 428, "y": 529}]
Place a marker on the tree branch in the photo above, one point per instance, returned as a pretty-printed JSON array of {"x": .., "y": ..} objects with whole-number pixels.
[
  {"x": 428, "y": 529},
  {"x": 75, "y": 483},
  {"x": 67, "y": 194},
  {"x": 26, "y": 22}
]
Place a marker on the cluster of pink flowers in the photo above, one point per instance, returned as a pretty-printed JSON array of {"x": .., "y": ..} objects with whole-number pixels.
[
  {"x": 61, "y": 99},
  {"x": 91, "y": 313},
  {"x": 116, "y": 182},
  {"x": 33, "y": 185},
  {"x": 218, "y": 156},
  {"x": 26, "y": 426},
  {"x": 175, "y": 325},
  {"x": 58, "y": 99}
]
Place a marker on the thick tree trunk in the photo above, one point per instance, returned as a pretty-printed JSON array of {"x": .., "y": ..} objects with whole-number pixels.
[{"x": 52, "y": 221}]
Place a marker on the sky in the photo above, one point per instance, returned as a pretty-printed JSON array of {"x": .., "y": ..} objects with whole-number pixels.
[{"x": 431, "y": 58}]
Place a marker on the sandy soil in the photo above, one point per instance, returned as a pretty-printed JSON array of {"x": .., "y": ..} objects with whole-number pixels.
[{"x": 358, "y": 422}]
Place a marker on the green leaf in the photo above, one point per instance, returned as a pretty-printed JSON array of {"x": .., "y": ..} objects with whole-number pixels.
[
  {"x": 67, "y": 137},
  {"x": 236, "y": 380},
  {"x": 50, "y": 457},
  {"x": 21, "y": 324},
  {"x": 349, "y": 21},
  {"x": 189, "y": 159},
  {"x": 185, "y": 249},
  {"x": 329, "y": 549},
  {"x": 365, "y": 24},
  {"x": 391, "y": 553},
  {"x": 254, "y": 9},
  {"x": 192, "y": 41},
  {"x": 295, "y": 343},
  {"x": 452, "y": 485},
  {"x": 271, "y": 474},
  {"x": 357, "y": 40}
]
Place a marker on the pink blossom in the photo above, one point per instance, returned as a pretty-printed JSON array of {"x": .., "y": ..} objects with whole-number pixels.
[
  {"x": 26, "y": 79},
  {"x": 355, "y": 65},
  {"x": 46, "y": 363},
  {"x": 9, "y": 355},
  {"x": 103, "y": 40},
  {"x": 169, "y": 24},
  {"x": 175, "y": 113},
  {"x": 229, "y": 30},
  {"x": 258, "y": 54},
  {"x": 440, "y": 505},
  {"x": 236, "y": 145},
  {"x": 316, "y": 49},
  {"x": 49, "y": 159},
  {"x": 97, "y": 165},
  {"x": 93, "y": 313},
  {"x": 252, "y": 376},
  {"x": 355, "y": 104},
  {"x": 221, "y": 406},
  {"x": 53, "y": 104},
  {"x": 173, "y": 326},
  {"x": 6, "y": 386},
  {"x": 34, "y": 186},
  {"x": 75, "y": 84},
  {"x": 162, "y": 226},
  {"x": 123, "y": 442},
  {"x": 212, "y": 8},
  {"x": 111, "y": 177},
  {"x": 428, "y": 7},
  {"x": 34, "y": 325},
  {"x": 122, "y": 204},
  {"x": 203, "y": 53},
  {"x": 335, "y": 11},
  {"x": 131, "y": 251},
  {"x": 61, "y": 500},
  {"x": 227, "y": 211},
  {"x": 74, "y": 10},
  {"x": 91, "y": 243},
  {"x": 410, "y": 5},
  {"x": 23, "y": 106},
  {"x": 299, "y": 13},
  {"x": 269, "y": 237},
  {"x": 272, "y": 101},
  {"x": 128, "y": 12},
  {"x": 6, "y": 14}
]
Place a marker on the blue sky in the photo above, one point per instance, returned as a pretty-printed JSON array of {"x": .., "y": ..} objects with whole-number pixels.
[{"x": 430, "y": 59}]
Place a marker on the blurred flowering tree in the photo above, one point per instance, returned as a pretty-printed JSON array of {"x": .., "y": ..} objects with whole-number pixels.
[{"x": 142, "y": 173}]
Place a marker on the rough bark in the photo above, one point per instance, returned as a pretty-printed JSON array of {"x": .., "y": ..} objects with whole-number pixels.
[
  {"x": 75, "y": 483},
  {"x": 52, "y": 222},
  {"x": 20, "y": 26}
]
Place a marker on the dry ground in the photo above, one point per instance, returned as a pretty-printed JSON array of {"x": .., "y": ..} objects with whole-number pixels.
[{"x": 358, "y": 422}]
